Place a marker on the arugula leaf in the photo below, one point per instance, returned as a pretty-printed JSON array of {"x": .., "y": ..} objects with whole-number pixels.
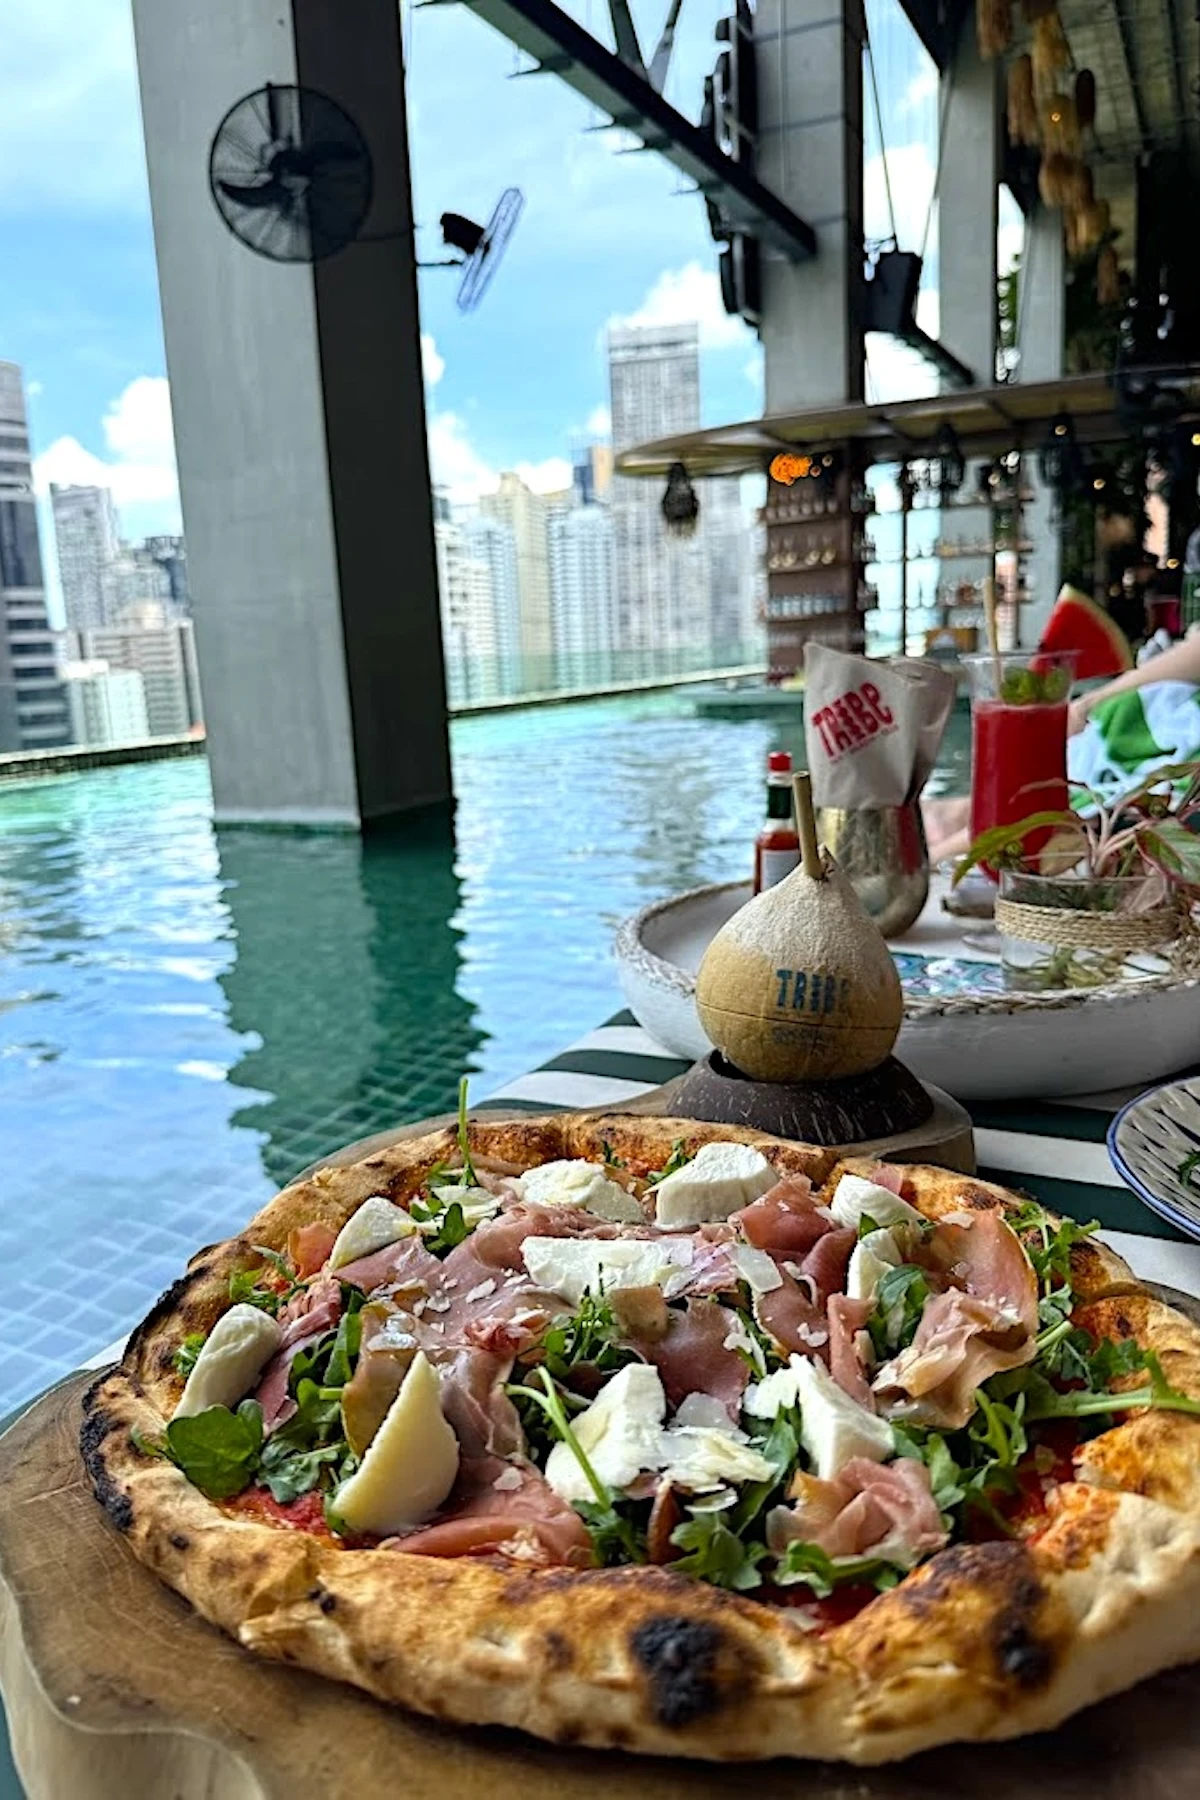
[
  {"x": 1185, "y": 1174},
  {"x": 866, "y": 1225},
  {"x": 809, "y": 1564},
  {"x": 611, "y": 1533},
  {"x": 1045, "y": 1402},
  {"x": 246, "y": 1289},
  {"x": 447, "y": 1216},
  {"x": 899, "y": 1302},
  {"x": 468, "y": 1177},
  {"x": 678, "y": 1159},
  {"x": 187, "y": 1352},
  {"x": 717, "y": 1554},
  {"x": 781, "y": 1448},
  {"x": 217, "y": 1450},
  {"x": 1050, "y": 1251},
  {"x": 614, "y": 1528},
  {"x": 611, "y": 1159},
  {"x": 344, "y": 1354},
  {"x": 290, "y": 1473},
  {"x": 588, "y": 1336}
]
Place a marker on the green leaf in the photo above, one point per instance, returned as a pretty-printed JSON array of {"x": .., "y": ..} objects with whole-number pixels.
[
  {"x": 289, "y": 1473},
  {"x": 448, "y": 1218},
  {"x": 812, "y": 1566},
  {"x": 615, "y": 1537},
  {"x": 678, "y": 1159},
  {"x": 218, "y": 1450},
  {"x": 612, "y": 1160},
  {"x": 716, "y": 1554},
  {"x": 1185, "y": 1174},
  {"x": 866, "y": 1225},
  {"x": 588, "y": 1337},
  {"x": 610, "y": 1522},
  {"x": 996, "y": 846},
  {"x": 344, "y": 1354},
  {"x": 469, "y": 1178},
  {"x": 781, "y": 1448},
  {"x": 899, "y": 1302},
  {"x": 187, "y": 1352},
  {"x": 245, "y": 1289}
]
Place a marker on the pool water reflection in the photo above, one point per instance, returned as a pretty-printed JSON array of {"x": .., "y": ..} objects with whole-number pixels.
[{"x": 189, "y": 1017}]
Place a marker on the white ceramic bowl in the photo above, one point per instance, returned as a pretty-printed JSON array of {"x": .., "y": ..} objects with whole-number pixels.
[{"x": 992, "y": 1046}]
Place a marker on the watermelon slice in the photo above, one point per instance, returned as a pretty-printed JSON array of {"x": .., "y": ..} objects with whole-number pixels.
[{"x": 1078, "y": 624}]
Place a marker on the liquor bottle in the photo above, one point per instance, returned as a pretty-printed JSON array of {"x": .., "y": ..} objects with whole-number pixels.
[{"x": 777, "y": 847}]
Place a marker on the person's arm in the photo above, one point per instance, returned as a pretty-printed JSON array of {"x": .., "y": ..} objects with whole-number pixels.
[{"x": 1180, "y": 663}]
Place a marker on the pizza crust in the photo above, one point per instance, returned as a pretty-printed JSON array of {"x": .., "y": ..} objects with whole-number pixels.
[{"x": 983, "y": 1641}]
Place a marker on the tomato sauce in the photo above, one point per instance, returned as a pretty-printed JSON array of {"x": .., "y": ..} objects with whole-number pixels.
[{"x": 304, "y": 1514}]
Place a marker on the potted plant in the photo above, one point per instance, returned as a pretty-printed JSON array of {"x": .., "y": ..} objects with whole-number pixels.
[{"x": 1110, "y": 893}]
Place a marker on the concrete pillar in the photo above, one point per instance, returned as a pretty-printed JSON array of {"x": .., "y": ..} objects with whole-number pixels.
[
  {"x": 1042, "y": 296},
  {"x": 300, "y": 431},
  {"x": 810, "y": 55},
  {"x": 968, "y": 204}
]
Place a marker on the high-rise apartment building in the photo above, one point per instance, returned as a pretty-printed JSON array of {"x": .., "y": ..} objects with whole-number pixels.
[
  {"x": 527, "y": 516},
  {"x": 170, "y": 553},
  {"x": 734, "y": 557},
  {"x": 134, "y": 581},
  {"x": 107, "y": 706},
  {"x": 662, "y": 583},
  {"x": 164, "y": 657},
  {"x": 33, "y": 707},
  {"x": 468, "y": 614},
  {"x": 493, "y": 544},
  {"x": 581, "y": 579},
  {"x": 88, "y": 540}
]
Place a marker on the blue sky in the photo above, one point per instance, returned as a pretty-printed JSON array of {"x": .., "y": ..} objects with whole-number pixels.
[{"x": 603, "y": 236}]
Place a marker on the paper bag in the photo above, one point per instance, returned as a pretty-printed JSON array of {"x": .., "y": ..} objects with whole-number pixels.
[{"x": 873, "y": 729}]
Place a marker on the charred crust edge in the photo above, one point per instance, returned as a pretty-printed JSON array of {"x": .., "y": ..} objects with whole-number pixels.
[
  {"x": 97, "y": 1427},
  {"x": 679, "y": 1659}
]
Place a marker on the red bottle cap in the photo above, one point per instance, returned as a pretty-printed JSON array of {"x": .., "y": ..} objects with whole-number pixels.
[{"x": 779, "y": 762}]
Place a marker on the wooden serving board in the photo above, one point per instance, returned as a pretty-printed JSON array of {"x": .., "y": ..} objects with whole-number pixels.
[{"x": 117, "y": 1691}]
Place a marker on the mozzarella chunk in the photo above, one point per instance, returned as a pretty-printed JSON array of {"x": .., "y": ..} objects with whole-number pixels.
[
  {"x": 237, "y": 1349},
  {"x": 870, "y": 1260},
  {"x": 770, "y": 1396},
  {"x": 833, "y": 1427},
  {"x": 699, "y": 1458},
  {"x": 375, "y": 1225},
  {"x": 410, "y": 1464},
  {"x": 855, "y": 1197},
  {"x": 719, "y": 1180},
  {"x": 567, "y": 1266},
  {"x": 706, "y": 1410},
  {"x": 585, "y": 1184},
  {"x": 620, "y": 1434}
]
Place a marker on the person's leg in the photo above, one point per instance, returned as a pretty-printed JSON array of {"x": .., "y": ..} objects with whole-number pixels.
[{"x": 947, "y": 827}]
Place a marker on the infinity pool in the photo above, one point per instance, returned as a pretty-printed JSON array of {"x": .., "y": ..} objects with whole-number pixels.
[{"x": 188, "y": 1017}]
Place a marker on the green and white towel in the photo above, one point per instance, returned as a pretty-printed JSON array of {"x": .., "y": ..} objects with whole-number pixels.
[{"x": 1126, "y": 738}]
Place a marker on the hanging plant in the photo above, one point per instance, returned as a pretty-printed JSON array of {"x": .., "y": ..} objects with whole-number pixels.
[
  {"x": 1085, "y": 98},
  {"x": 1024, "y": 126},
  {"x": 994, "y": 26},
  {"x": 1108, "y": 276},
  {"x": 1051, "y": 52},
  {"x": 1094, "y": 224},
  {"x": 1083, "y": 189}
]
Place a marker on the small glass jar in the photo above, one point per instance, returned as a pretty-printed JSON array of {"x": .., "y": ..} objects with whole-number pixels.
[{"x": 1098, "y": 930}]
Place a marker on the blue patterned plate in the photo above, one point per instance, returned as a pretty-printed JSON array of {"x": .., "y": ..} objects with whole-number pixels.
[{"x": 1154, "y": 1143}]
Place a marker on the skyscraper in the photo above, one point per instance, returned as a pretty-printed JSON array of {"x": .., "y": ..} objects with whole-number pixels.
[
  {"x": 164, "y": 655},
  {"x": 468, "y": 614},
  {"x": 85, "y": 530},
  {"x": 662, "y": 584},
  {"x": 33, "y": 707},
  {"x": 493, "y": 544},
  {"x": 527, "y": 516},
  {"x": 581, "y": 580}
]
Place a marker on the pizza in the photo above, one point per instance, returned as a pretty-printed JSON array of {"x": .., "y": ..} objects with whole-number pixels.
[{"x": 646, "y": 1434}]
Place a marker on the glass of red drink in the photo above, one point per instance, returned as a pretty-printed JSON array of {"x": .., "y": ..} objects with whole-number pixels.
[{"x": 1019, "y": 704}]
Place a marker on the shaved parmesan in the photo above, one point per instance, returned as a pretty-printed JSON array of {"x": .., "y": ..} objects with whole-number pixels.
[
  {"x": 757, "y": 1269},
  {"x": 697, "y": 1457},
  {"x": 568, "y": 1266},
  {"x": 583, "y": 1184},
  {"x": 871, "y": 1259},
  {"x": 833, "y": 1427},
  {"x": 719, "y": 1180},
  {"x": 375, "y": 1225},
  {"x": 855, "y": 1198},
  {"x": 235, "y": 1352}
]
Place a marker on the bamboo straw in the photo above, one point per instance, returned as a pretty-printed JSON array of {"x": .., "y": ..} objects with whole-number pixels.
[{"x": 806, "y": 825}]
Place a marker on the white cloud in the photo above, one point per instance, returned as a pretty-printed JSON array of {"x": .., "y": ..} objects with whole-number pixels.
[
  {"x": 465, "y": 473},
  {"x": 547, "y": 477},
  {"x": 433, "y": 363},
  {"x": 70, "y": 135},
  {"x": 599, "y": 422},
  {"x": 140, "y": 467},
  {"x": 912, "y": 177},
  {"x": 691, "y": 295},
  {"x": 921, "y": 88}
]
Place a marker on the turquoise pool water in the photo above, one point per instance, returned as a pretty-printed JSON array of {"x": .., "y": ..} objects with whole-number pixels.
[{"x": 188, "y": 1017}]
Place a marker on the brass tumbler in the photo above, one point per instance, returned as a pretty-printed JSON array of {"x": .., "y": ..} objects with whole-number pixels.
[{"x": 883, "y": 854}]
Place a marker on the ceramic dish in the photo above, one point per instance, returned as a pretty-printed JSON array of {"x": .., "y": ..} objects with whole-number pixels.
[
  {"x": 1154, "y": 1143},
  {"x": 962, "y": 1031}
]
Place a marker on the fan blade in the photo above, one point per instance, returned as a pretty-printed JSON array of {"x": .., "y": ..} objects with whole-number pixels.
[
  {"x": 265, "y": 194},
  {"x": 274, "y": 122},
  {"x": 482, "y": 266}
]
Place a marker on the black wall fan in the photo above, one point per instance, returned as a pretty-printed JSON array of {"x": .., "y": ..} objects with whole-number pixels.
[
  {"x": 480, "y": 247},
  {"x": 290, "y": 174}
]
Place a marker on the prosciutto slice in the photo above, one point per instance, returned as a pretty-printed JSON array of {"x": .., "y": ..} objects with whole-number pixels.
[
  {"x": 314, "y": 1310},
  {"x": 827, "y": 1262},
  {"x": 522, "y": 1517},
  {"x": 793, "y": 1318},
  {"x": 984, "y": 1256},
  {"x": 786, "y": 1220},
  {"x": 497, "y": 1242},
  {"x": 960, "y": 1342},
  {"x": 692, "y": 1357},
  {"x": 884, "y": 1509},
  {"x": 406, "y": 1264},
  {"x": 846, "y": 1319}
]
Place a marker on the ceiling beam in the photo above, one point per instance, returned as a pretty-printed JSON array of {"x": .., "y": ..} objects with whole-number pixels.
[
  {"x": 560, "y": 46},
  {"x": 1129, "y": 52}
]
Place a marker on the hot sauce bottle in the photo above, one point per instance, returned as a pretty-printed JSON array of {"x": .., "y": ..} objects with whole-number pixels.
[{"x": 777, "y": 847}]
